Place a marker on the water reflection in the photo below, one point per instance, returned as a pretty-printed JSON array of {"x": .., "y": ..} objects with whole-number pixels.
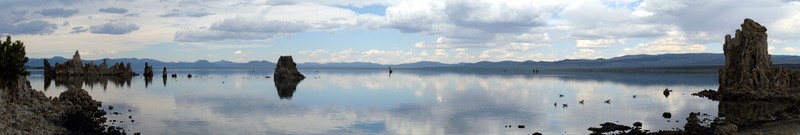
[
  {"x": 740, "y": 112},
  {"x": 286, "y": 87},
  {"x": 91, "y": 81},
  {"x": 410, "y": 102},
  {"x": 148, "y": 81}
]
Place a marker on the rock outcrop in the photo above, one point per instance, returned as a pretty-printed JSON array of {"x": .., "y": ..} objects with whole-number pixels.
[
  {"x": 75, "y": 67},
  {"x": 748, "y": 73},
  {"x": 24, "y": 110},
  {"x": 48, "y": 70},
  {"x": 286, "y": 77},
  {"x": 287, "y": 69},
  {"x": 164, "y": 73},
  {"x": 148, "y": 70}
]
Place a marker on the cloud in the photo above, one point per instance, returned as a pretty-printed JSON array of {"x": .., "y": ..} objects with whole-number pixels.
[
  {"x": 179, "y": 13},
  {"x": 272, "y": 21},
  {"x": 242, "y": 24},
  {"x": 496, "y": 17},
  {"x": 791, "y": 49},
  {"x": 79, "y": 29},
  {"x": 204, "y": 35},
  {"x": 710, "y": 16},
  {"x": 237, "y": 52},
  {"x": 190, "y": 14},
  {"x": 314, "y": 53},
  {"x": 114, "y": 28},
  {"x": 676, "y": 41},
  {"x": 114, "y": 10},
  {"x": 58, "y": 12},
  {"x": 472, "y": 23},
  {"x": 30, "y": 27},
  {"x": 584, "y": 54},
  {"x": 598, "y": 43},
  {"x": 513, "y": 51},
  {"x": 350, "y": 55},
  {"x": 27, "y": 3}
]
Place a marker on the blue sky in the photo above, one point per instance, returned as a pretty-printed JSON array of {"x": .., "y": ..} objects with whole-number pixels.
[{"x": 389, "y": 31}]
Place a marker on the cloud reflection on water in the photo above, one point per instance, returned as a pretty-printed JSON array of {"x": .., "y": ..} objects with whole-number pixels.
[{"x": 410, "y": 102}]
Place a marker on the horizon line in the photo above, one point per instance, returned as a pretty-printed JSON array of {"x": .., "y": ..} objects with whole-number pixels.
[{"x": 383, "y": 63}]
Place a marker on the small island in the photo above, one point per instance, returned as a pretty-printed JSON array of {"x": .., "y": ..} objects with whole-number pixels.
[
  {"x": 75, "y": 67},
  {"x": 286, "y": 77}
]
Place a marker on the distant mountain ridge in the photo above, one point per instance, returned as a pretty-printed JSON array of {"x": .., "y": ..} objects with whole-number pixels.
[{"x": 627, "y": 61}]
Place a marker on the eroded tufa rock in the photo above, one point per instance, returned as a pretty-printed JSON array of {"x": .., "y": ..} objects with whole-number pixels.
[
  {"x": 148, "y": 70},
  {"x": 287, "y": 69},
  {"x": 75, "y": 67},
  {"x": 748, "y": 72}
]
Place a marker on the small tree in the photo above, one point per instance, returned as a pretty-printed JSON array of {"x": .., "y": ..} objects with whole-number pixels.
[{"x": 12, "y": 59}]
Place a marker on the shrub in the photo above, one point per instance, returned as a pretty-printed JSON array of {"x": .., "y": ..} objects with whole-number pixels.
[{"x": 12, "y": 59}]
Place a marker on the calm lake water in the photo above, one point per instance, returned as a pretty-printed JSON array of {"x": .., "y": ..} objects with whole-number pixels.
[{"x": 367, "y": 101}]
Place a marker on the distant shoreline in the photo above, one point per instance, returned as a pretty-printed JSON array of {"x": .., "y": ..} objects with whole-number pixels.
[{"x": 673, "y": 69}]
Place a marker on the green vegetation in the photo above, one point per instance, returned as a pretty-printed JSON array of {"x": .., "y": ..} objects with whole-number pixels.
[{"x": 12, "y": 59}]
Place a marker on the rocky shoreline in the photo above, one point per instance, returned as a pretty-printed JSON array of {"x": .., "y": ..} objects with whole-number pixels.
[
  {"x": 24, "y": 110},
  {"x": 751, "y": 93}
]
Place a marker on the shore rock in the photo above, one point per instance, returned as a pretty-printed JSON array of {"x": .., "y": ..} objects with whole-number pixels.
[
  {"x": 287, "y": 69},
  {"x": 24, "y": 110},
  {"x": 48, "y": 70}
]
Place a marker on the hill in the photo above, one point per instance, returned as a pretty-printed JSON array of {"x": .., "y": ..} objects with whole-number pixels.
[{"x": 686, "y": 60}]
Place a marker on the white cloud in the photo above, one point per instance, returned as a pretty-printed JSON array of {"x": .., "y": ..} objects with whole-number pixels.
[
  {"x": 461, "y": 53},
  {"x": 440, "y": 53},
  {"x": 314, "y": 53},
  {"x": 791, "y": 49},
  {"x": 454, "y": 30},
  {"x": 350, "y": 55},
  {"x": 771, "y": 49},
  {"x": 598, "y": 43},
  {"x": 237, "y": 52},
  {"x": 675, "y": 41},
  {"x": 584, "y": 54},
  {"x": 470, "y": 24},
  {"x": 696, "y": 48},
  {"x": 270, "y": 21}
]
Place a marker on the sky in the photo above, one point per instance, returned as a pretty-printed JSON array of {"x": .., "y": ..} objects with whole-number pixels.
[{"x": 389, "y": 31}]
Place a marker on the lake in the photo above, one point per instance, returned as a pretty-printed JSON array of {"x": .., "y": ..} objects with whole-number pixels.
[{"x": 409, "y": 101}]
